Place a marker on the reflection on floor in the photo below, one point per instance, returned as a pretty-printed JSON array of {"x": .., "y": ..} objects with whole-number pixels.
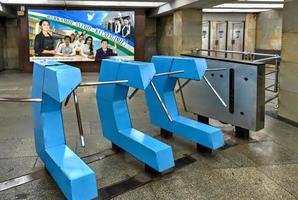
[{"x": 265, "y": 167}]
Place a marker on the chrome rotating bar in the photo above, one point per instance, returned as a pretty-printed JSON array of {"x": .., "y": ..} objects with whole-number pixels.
[
  {"x": 169, "y": 73},
  {"x": 161, "y": 102},
  {"x": 207, "y": 70},
  {"x": 215, "y": 92},
  {"x": 79, "y": 119},
  {"x": 23, "y": 100},
  {"x": 156, "y": 75},
  {"x": 77, "y": 107},
  {"x": 102, "y": 83}
]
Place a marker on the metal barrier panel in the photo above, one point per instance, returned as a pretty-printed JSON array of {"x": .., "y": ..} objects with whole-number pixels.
[{"x": 241, "y": 85}]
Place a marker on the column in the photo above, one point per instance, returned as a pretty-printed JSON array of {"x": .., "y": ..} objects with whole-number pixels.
[
  {"x": 187, "y": 30},
  {"x": 288, "y": 96}
]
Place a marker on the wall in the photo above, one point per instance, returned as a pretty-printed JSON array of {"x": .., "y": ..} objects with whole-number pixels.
[
  {"x": 187, "y": 31},
  {"x": 249, "y": 25},
  {"x": 150, "y": 38},
  {"x": 250, "y": 32},
  {"x": 180, "y": 32},
  {"x": 262, "y": 31},
  {"x": 12, "y": 47},
  {"x": 288, "y": 95},
  {"x": 269, "y": 30},
  {"x": 165, "y": 35},
  {"x": 9, "y": 49},
  {"x": 2, "y": 30},
  {"x": 214, "y": 19}
]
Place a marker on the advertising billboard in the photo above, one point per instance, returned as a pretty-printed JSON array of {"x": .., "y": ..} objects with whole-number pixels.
[{"x": 80, "y": 35}]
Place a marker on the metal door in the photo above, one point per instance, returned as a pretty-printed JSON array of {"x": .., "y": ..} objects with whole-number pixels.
[
  {"x": 205, "y": 37},
  {"x": 220, "y": 38},
  {"x": 236, "y": 39}
]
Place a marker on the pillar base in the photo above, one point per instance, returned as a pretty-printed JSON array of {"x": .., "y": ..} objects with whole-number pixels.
[
  {"x": 241, "y": 133},
  {"x": 203, "y": 149},
  {"x": 151, "y": 171},
  {"x": 203, "y": 119},
  {"x": 165, "y": 134},
  {"x": 116, "y": 148}
]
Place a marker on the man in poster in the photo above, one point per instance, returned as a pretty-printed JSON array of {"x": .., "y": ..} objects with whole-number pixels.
[
  {"x": 66, "y": 49},
  {"x": 117, "y": 26},
  {"x": 104, "y": 52}
]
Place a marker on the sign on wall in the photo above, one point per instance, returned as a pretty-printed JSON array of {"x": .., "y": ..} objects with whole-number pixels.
[{"x": 77, "y": 35}]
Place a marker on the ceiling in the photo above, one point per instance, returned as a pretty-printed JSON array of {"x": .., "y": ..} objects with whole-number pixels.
[
  {"x": 227, "y": 6},
  {"x": 157, "y": 7},
  {"x": 71, "y": 3},
  {"x": 246, "y": 6}
]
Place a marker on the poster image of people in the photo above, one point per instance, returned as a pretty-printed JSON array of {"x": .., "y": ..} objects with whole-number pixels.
[{"x": 80, "y": 35}]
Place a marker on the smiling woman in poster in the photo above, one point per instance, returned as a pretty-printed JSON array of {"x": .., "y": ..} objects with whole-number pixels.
[
  {"x": 87, "y": 50},
  {"x": 44, "y": 41},
  {"x": 127, "y": 29}
]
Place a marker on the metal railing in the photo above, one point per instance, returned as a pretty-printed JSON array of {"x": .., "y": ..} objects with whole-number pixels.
[{"x": 255, "y": 58}]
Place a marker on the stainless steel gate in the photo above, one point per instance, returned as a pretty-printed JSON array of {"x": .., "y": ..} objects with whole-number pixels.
[{"x": 241, "y": 85}]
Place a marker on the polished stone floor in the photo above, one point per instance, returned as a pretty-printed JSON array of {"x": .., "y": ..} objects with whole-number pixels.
[{"x": 264, "y": 167}]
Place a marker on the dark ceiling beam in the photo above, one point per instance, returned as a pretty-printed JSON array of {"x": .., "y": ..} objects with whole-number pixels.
[{"x": 6, "y": 11}]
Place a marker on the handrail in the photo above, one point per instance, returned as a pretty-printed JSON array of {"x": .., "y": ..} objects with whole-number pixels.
[{"x": 237, "y": 52}]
